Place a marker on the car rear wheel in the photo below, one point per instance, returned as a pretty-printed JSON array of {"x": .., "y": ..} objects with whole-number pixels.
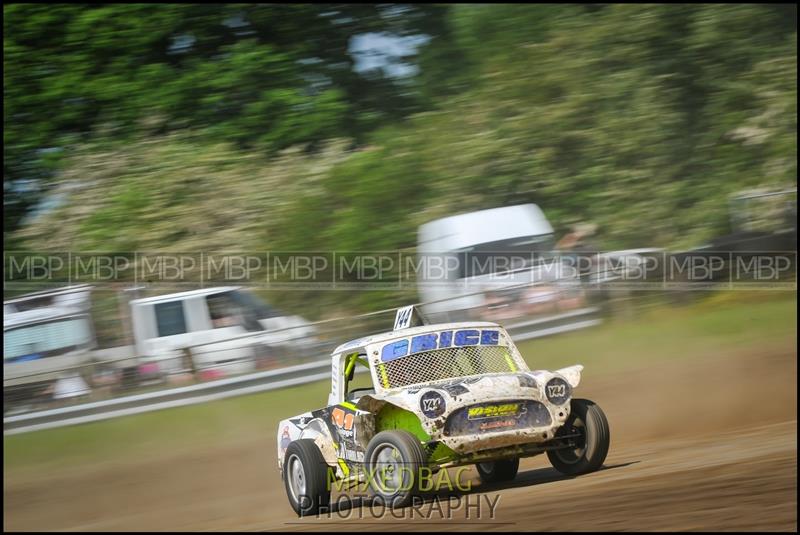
[
  {"x": 304, "y": 476},
  {"x": 497, "y": 471},
  {"x": 587, "y": 431},
  {"x": 394, "y": 459}
]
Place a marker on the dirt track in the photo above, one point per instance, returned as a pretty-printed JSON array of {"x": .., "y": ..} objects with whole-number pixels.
[{"x": 690, "y": 451}]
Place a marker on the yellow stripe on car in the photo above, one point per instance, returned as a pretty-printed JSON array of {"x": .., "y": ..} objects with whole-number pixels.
[
  {"x": 384, "y": 375},
  {"x": 344, "y": 467},
  {"x": 511, "y": 363}
]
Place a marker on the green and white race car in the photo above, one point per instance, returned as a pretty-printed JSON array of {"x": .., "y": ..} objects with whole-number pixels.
[{"x": 436, "y": 396}]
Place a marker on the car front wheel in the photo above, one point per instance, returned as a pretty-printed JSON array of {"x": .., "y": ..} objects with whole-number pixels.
[
  {"x": 394, "y": 459},
  {"x": 586, "y": 430}
]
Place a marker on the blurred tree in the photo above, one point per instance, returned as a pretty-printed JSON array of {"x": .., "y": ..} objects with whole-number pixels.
[
  {"x": 641, "y": 118},
  {"x": 263, "y": 76},
  {"x": 630, "y": 115}
]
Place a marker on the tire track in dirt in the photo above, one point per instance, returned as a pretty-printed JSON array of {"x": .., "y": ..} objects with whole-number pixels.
[{"x": 690, "y": 451}]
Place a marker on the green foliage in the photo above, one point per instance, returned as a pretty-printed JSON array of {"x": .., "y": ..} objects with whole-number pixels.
[
  {"x": 636, "y": 117},
  {"x": 641, "y": 118},
  {"x": 263, "y": 77},
  {"x": 176, "y": 191}
]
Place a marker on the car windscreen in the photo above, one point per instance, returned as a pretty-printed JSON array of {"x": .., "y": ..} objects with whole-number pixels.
[
  {"x": 48, "y": 339},
  {"x": 449, "y": 363},
  {"x": 254, "y": 305},
  {"x": 504, "y": 255},
  {"x": 228, "y": 308}
]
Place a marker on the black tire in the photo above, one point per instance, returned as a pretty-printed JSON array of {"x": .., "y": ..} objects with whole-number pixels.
[
  {"x": 389, "y": 453},
  {"x": 497, "y": 471},
  {"x": 587, "y": 419},
  {"x": 304, "y": 478}
]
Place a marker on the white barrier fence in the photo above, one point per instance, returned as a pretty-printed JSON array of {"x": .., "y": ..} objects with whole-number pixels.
[
  {"x": 165, "y": 399},
  {"x": 314, "y": 367},
  {"x": 212, "y": 390},
  {"x": 217, "y": 389}
]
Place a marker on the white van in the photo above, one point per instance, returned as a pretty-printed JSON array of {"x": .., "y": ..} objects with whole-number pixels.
[
  {"x": 486, "y": 251},
  {"x": 213, "y": 323}
]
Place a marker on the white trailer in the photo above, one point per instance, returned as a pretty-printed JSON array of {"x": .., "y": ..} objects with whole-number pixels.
[{"x": 46, "y": 336}]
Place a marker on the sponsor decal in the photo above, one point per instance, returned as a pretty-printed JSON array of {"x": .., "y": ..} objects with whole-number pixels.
[
  {"x": 498, "y": 424},
  {"x": 286, "y": 439},
  {"x": 493, "y": 411},
  {"x": 342, "y": 419},
  {"x": 432, "y": 404},
  {"x": 485, "y": 417},
  {"x": 440, "y": 340}
]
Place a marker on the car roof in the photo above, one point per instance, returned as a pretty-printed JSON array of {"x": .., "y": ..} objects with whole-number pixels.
[
  {"x": 360, "y": 343},
  {"x": 184, "y": 295},
  {"x": 40, "y": 315},
  {"x": 456, "y": 232}
]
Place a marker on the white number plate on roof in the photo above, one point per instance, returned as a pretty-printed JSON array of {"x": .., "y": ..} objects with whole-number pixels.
[{"x": 402, "y": 319}]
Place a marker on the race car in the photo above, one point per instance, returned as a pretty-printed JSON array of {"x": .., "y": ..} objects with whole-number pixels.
[{"x": 436, "y": 396}]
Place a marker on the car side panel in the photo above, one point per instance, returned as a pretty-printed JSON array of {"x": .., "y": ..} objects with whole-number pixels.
[{"x": 341, "y": 431}]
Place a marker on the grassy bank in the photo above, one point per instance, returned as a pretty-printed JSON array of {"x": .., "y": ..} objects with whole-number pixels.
[{"x": 723, "y": 322}]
